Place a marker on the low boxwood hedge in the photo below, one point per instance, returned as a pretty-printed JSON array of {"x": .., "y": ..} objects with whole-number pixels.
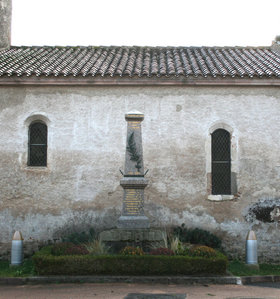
[{"x": 48, "y": 264}]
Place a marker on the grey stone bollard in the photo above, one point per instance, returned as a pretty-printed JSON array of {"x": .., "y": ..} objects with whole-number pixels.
[
  {"x": 251, "y": 249},
  {"x": 17, "y": 249}
]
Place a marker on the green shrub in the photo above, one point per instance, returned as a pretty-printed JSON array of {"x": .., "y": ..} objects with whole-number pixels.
[
  {"x": 162, "y": 251},
  {"x": 47, "y": 264},
  {"x": 59, "y": 248},
  {"x": 130, "y": 250},
  {"x": 203, "y": 251},
  {"x": 197, "y": 236},
  {"x": 68, "y": 249},
  {"x": 183, "y": 250}
]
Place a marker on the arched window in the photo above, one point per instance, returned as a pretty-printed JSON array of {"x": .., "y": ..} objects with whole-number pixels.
[
  {"x": 221, "y": 162},
  {"x": 37, "y": 144}
]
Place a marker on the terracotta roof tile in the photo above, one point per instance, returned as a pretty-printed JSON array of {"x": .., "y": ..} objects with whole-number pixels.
[{"x": 140, "y": 62}]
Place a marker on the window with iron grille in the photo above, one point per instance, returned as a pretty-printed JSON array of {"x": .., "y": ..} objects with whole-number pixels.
[
  {"x": 37, "y": 144},
  {"x": 221, "y": 162}
]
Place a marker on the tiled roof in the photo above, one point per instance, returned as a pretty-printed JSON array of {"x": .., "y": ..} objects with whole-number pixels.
[{"x": 208, "y": 62}]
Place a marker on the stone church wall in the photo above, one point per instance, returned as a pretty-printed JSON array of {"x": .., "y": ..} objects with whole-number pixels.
[{"x": 80, "y": 186}]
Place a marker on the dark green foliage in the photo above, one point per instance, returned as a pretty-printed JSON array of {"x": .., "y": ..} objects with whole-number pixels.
[
  {"x": 183, "y": 249},
  {"x": 80, "y": 237},
  {"x": 47, "y": 264},
  {"x": 131, "y": 148},
  {"x": 197, "y": 236},
  {"x": 162, "y": 251},
  {"x": 68, "y": 249}
]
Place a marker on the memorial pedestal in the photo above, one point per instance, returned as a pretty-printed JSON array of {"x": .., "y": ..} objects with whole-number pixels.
[{"x": 133, "y": 203}]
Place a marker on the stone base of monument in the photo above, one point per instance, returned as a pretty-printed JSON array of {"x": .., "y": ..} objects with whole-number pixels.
[
  {"x": 133, "y": 222},
  {"x": 145, "y": 238}
]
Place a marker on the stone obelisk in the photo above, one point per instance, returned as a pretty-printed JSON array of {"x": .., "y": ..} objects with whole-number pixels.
[{"x": 133, "y": 181}]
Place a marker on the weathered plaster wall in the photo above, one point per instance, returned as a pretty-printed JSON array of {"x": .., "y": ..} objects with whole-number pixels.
[{"x": 86, "y": 146}]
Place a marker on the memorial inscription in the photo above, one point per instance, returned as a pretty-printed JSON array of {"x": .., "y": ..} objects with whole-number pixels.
[{"x": 133, "y": 202}]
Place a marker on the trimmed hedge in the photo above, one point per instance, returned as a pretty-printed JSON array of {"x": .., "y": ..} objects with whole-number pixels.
[{"x": 47, "y": 264}]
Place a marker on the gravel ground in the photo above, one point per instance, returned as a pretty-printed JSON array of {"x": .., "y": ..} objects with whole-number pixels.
[{"x": 121, "y": 290}]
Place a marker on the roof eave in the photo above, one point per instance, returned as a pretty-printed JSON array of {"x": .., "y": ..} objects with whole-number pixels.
[{"x": 137, "y": 81}]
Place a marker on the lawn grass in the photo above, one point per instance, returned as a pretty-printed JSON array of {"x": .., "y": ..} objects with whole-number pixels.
[
  {"x": 25, "y": 270},
  {"x": 238, "y": 268}
]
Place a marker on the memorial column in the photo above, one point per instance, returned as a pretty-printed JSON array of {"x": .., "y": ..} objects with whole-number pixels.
[{"x": 133, "y": 181}]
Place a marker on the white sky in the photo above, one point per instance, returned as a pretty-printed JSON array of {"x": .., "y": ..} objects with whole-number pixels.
[{"x": 145, "y": 22}]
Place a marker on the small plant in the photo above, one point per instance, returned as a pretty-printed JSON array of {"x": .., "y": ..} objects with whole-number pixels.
[
  {"x": 183, "y": 249},
  {"x": 97, "y": 247},
  {"x": 197, "y": 236},
  {"x": 202, "y": 251},
  {"x": 19, "y": 273},
  {"x": 130, "y": 250},
  {"x": 162, "y": 251},
  {"x": 172, "y": 243},
  {"x": 175, "y": 244},
  {"x": 68, "y": 249}
]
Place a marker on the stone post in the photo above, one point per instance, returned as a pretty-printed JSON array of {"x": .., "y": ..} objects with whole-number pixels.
[
  {"x": 252, "y": 250},
  {"x": 17, "y": 249},
  {"x": 5, "y": 23},
  {"x": 133, "y": 181}
]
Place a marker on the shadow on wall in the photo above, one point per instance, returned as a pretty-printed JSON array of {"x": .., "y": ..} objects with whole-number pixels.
[{"x": 86, "y": 224}]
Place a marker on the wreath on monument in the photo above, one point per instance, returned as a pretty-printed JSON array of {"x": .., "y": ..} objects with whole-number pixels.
[{"x": 132, "y": 150}]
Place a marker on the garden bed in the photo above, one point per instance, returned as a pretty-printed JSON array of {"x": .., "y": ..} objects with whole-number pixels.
[{"x": 48, "y": 264}]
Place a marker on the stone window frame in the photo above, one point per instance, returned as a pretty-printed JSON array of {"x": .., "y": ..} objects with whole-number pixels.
[
  {"x": 37, "y": 117},
  {"x": 234, "y": 164}
]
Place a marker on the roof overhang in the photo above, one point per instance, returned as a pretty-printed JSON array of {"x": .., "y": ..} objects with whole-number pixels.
[{"x": 134, "y": 81}]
